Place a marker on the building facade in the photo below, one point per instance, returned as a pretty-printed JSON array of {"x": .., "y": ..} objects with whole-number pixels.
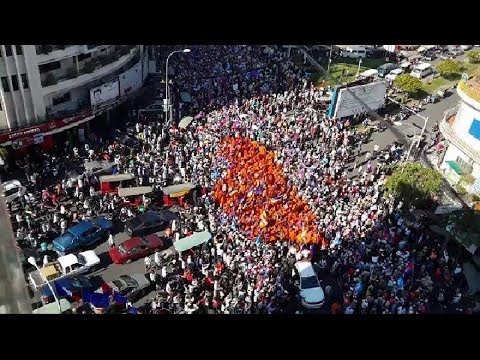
[
  {"x": 45, "y": 88},
  {"x": 461, "y": 129}
]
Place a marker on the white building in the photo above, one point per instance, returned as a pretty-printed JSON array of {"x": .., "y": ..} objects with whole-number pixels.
[
  {"x": 41, "y": 84},
  {"x": 461, "y": 128}
]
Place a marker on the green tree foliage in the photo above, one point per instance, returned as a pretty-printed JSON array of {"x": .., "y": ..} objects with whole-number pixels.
[
  {"x": 407, "y": 83},
  {"x": 3, "y": 153},
  {"x": 464, "y": 226},
  {"x": 413, "y": 182},
  {"x": 449, "y": 68},
  {"x": 474, "y": 56}
]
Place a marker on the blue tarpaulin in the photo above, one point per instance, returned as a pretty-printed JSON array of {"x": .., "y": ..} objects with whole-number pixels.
[
  {"x": 475, "y": 129},
  {"x": 96, "y": 299}
]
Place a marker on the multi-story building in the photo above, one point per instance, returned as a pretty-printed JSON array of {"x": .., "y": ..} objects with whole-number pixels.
[
  {"x": 45, "y": 88},
  {"x": 461, "y": 128}
]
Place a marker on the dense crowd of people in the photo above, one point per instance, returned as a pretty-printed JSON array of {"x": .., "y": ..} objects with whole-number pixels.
[{"x": 356, "y": 237}]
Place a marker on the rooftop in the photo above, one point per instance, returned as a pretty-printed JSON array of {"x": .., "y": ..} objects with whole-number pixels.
[
  {"x": 471, "y": 88},
  {"x": 474, "y": 83}
]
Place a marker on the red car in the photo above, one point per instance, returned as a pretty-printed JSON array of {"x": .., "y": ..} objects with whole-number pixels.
[{"x": 136, "y": 248}]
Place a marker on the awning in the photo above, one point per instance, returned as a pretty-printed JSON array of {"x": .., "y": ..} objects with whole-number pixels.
[
  {"x": 134, "y": 191},
  {"x": 191, "y": 241},
  {"x": 183, "y": 124},
  {"x": 455, "y": 167},
  {"x": 172, "y": 189}
]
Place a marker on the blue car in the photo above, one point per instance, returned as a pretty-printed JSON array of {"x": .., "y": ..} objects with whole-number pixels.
[{"x": 83, "y": 234}]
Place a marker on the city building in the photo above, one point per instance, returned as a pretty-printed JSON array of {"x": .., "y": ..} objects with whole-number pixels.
[
  {"x": 47, "y": 89},
  {"x": 461, "y": 128}
]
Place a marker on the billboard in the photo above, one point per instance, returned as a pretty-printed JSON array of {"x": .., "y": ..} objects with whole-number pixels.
[
  {"x": 358, "y": 99},
  {"x": 131, "y": 80},
  {"x": 104, "y": 94}
]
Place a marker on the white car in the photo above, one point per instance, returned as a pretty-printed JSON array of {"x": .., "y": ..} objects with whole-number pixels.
[
  {"x": 311, "y": 293},
  {"x": 64, "y": 266},
  {"x": 465, "y": 47},
  {"x": 393, "y": 74},
  {"x": 11, "y": 190}
]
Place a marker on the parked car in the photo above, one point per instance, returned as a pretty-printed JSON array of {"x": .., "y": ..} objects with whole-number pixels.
[
  {"x": 429, "y": 56},
  {"x": 394, "y": 73},
  {"x": 375, "y": 53},
  {"x": 83, "y": 234},
  {"x": 311, "y": 293},
  {"x": 465, "y": 47},
  {"x": 457, "y": 52},
  {"x": 446, "y": 55},
  {"x": 12, "y": 190},
  {"x": 126, "y": 140},
  {"x": 150, "y": 222},
  {"x": 136, "y": 248},
  {"x": 96, "y": 167},
  {"x": 131, "y": 286},
  {"x": 64, "y": 266},
  {"x": 73, "y": 286}
]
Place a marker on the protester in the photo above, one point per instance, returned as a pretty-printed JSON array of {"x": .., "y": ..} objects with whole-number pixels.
[{"x": 273, "y": 188}]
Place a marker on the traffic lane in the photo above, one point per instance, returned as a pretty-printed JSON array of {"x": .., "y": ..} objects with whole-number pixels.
[
  {"x": 109, "y": 271},
  {"x": 434, "y": 112}
]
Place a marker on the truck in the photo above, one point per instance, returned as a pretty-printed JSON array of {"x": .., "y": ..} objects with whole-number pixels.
[{"x": 64, "y": 266}]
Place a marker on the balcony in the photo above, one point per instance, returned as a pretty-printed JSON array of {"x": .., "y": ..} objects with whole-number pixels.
[
  {"x": 449, "y": 133},
  {"x": 95, "y": 69},
  {"x": 57, "y": 52}
]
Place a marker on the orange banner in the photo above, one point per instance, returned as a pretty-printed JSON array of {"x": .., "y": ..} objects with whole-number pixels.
[{"x": 257, "y": 193}]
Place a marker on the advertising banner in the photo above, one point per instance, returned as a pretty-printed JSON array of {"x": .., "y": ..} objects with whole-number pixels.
[{"x": 104, "y": 94}]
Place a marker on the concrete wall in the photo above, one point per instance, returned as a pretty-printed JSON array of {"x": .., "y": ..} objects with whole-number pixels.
[{"x": 463, "y": 120}]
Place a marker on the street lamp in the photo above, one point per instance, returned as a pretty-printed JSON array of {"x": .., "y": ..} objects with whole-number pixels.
[
  {"x": 31, "y": 261},
  {"x": 167, "y": 102},
  {"x": 358, "y": 70}
]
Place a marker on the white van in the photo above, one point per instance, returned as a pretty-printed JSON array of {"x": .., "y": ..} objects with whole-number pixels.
[
  {"x": 311, "y": 293},
  {"x": 354, "y": 53},
  {"x": 422, "y": 70},
  {"x": 53, "y": 309}
]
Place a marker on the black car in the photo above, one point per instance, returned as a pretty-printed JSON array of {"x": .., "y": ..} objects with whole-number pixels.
[
  {"x": 150, "y": 222},
  {"x": 126, "y": 140},
  {"x": 429, "y": 56},
  {"x": 373, "y": 53}
]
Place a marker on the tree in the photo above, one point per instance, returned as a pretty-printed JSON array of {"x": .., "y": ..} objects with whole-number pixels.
[
  {"x": 3, "y": 153},
  {"x": 412, "y": 182},
  {"x": 474, "y": 56},
  {"x": 464, "y": 226},
  {"x": 408, "y": 83},
  {"x": 448, "y": 68}
]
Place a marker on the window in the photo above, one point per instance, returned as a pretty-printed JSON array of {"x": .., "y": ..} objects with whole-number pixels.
[
  {"x": 8, "y": 50},
  {"x": 18, "y": 49},
  {"x": 61, "y": 99},
  {"x": 5, "y": 86},
  {"x": 25, "y": 81},
  {"x": 466, "y": 167},
  {"x": 15, "y": 82},
  {"x": 48, "y": 67},
  {"x": 84, "y": 56}
]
